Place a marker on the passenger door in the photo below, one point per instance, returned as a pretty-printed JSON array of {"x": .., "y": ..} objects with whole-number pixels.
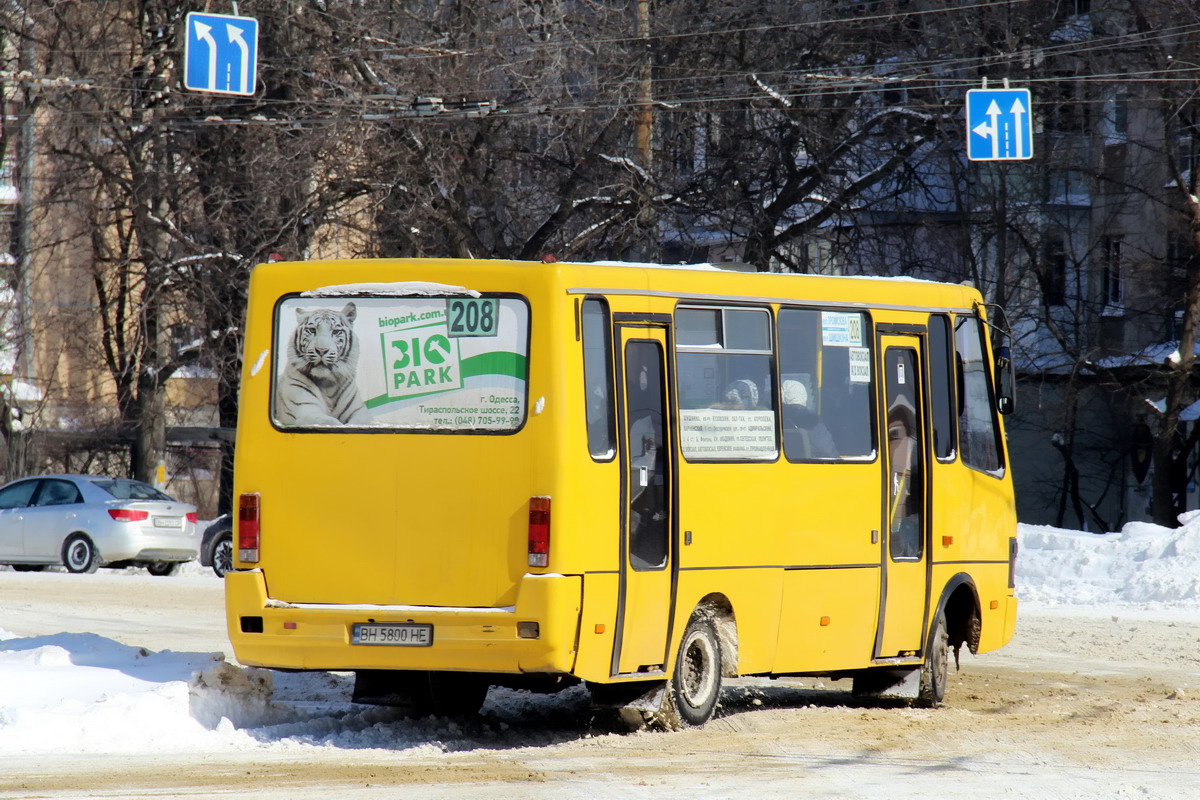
[
  {"x": 55, "y": 514},
  {"x": 905, "y": 493},
  {"x": 14, "y": 502},
  {"x": 647, "y": 501}
]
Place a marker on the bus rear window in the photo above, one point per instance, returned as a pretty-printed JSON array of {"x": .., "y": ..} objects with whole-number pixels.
[{"x": 444, "y": 364}]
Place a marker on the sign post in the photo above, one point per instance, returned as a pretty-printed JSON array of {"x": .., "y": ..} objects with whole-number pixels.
[
  {"x": 220, "y": 54},
  {"x": 999, "y": 125}
]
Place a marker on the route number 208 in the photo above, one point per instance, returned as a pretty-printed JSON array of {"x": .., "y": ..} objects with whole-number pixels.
[{"x": 473, "y": 316}]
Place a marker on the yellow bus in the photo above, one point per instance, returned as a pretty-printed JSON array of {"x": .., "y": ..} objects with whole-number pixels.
[{"x": 454, "y": 474}]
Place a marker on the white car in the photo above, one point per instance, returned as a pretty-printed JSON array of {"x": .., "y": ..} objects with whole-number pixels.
[{"x": 87, "y": 521}]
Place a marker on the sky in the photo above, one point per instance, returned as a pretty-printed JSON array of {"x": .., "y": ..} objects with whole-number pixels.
[{"x": 85, "y": 693}]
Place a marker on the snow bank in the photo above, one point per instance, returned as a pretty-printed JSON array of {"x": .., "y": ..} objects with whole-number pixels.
[
  {"x": 84, "y": 693},
  {"x": 1143, "y": 564},
  {"x": 79, "y": 692}
]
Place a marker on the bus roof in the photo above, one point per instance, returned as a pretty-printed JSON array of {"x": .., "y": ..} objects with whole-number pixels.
[{"x": 419, "y": 277}]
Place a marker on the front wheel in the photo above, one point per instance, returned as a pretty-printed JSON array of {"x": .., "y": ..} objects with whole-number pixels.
[
  {"x": 936, "y": 667},
  {"x": 696, "y": 683},
  {"x": 79, "y": 554}
]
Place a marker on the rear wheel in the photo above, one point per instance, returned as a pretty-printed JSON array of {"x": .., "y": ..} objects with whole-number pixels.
[
  {"x": 696, "y": 683},
  {"x": 163, "y": 568},
  {"x": 79, "y": 554},
  {"x": 222, "y": 555},
  {"x": 936, "y": 667}
]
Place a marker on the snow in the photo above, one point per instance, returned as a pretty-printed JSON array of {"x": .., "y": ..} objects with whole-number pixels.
[
  {"x": 82, "y": 693},
  {"x": 1143, "y": 565},
  {"x": 394, "y": 289}
]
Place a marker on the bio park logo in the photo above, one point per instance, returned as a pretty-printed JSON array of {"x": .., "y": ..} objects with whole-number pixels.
[{"x": 419, "y": 356}]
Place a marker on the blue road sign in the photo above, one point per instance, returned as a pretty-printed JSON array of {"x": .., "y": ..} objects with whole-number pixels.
[
  {"x": 999, "y": 125},
  {"x": 220, "y": 54}
]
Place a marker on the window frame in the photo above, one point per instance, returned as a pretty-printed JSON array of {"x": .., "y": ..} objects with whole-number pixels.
[
  {"x": 607, "y": 354},
  {"x": 989, "y": 381},
  {"x": 771, "y": 354},
  {"x": 276, "y": 370},
  {"x": 949, "y": 362},
  {"x": 869, "y": 343}
]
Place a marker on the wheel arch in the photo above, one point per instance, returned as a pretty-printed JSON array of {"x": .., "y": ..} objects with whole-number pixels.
[
  {"x": 959, "y": 601},
  {"x": 717, "y": 607}
]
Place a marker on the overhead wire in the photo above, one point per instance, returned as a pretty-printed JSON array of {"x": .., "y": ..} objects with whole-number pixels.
[{"x": 912, "y": 74}]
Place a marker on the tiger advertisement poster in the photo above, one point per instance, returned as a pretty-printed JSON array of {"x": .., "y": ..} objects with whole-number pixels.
[{"x": 414, "y": 363}]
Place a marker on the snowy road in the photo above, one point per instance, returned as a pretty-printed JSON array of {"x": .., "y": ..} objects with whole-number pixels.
[{"x": 1087, "y": 702}]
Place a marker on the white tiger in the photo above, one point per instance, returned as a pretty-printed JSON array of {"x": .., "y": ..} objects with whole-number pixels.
[{"x": 318, "y": 385}]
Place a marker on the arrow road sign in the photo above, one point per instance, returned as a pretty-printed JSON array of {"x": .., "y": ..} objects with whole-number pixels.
[
  {"x": 999, "y": 125},
  {"x": 220, "y": 54}
]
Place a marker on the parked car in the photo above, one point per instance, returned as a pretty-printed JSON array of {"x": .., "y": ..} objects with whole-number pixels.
[
  {"x": 87, "y": 521},
  {"x": 216, "y": 548}
]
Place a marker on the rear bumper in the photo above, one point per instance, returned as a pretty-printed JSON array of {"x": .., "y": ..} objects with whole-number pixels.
[
  {"x": 295, "y": 636},
  {"x": 140, "y": 544}
]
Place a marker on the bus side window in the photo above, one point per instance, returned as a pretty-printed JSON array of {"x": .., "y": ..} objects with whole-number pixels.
[
  {"x": 825, "y": 371},
  {"x": 976, "y": 419},
  {"x": 941, "y": 393},
  {"x": 724, "y": 362},
  {"x": 598, "y": 380}
]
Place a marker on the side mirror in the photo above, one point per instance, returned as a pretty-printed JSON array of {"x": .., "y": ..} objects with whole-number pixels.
[{"x": 1006, "y": 382}]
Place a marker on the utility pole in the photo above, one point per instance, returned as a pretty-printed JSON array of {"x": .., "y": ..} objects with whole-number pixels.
[
  {"x": 644, "y": 134},
  {"x": 645, "y": 118}
]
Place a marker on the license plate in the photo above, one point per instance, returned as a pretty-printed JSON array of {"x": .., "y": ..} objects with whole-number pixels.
[
  {"x": 393, "y": 634},
  {"x": 168, "y": 522}
]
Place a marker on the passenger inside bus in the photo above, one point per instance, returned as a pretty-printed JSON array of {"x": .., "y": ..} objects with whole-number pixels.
[
  {"x": 648, "y": 482},
  {"x": 741, "y": 393},
  {"x": 804, "y": 434},
  {"x": 906, "y": 485}
]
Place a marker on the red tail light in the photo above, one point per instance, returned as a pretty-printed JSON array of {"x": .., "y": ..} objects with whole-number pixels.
[
  {"x": 128, "y": 514},
  {"x": 539, "y": 531},
  {"x": 192, "y": 517},
  {"x": 249, "y": 514}
]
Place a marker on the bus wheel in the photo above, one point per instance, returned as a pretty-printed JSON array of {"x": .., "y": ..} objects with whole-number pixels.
[
  {"x": 936, "y": 667},
  {"x": 696, "y": 683}
]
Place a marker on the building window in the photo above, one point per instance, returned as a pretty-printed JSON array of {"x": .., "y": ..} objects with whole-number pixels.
[
  {"x": 1052, "y": 272},
  {"x": 1186, "y": 152},
  {"x": 818, "y": 259},
  {"x": 1112, "y": 275}
]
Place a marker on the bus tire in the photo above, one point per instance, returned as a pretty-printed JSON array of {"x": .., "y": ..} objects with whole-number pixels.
[
  {"x": 936, "y": 667},
  {"x": 695, "y": 686}
]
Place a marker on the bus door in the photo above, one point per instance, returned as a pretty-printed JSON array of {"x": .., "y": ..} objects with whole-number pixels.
[
  {"x": 644, "y": 605},
  {"x": 905, "y": 553}
]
